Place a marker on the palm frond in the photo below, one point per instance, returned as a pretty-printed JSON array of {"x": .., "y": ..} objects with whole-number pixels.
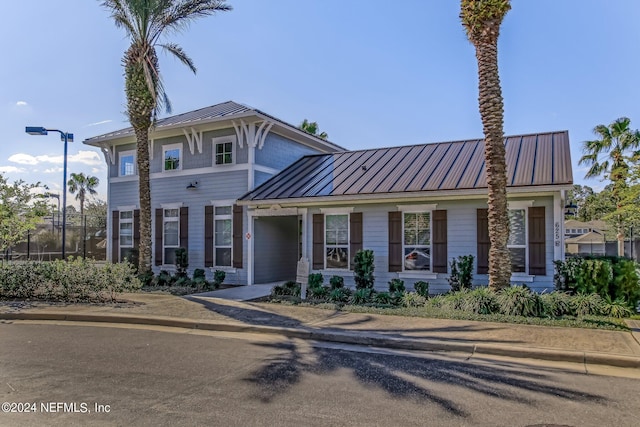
[
  {"x": 185, "y": 11},
  {"x": 179, "y": 53}
]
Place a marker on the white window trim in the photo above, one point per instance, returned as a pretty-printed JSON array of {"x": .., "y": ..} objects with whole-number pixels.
[
  {"x": 122, "y": 154},
  {"x": 164, "y": 240},
  {"x": 222, "y": 204},
  {"x": 222, "y": 140},
  {"x": 120, "y": 222},
  {"x": 415, "y": 209},
  {"x": 525, "y": 208},
  {"x": 337, "y": 211},
  {"x": 165, "y": 148}
]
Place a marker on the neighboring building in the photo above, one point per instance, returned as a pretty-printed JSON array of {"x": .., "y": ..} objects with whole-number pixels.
[
  {"x": 585, "y": 238},
  {"x": 417, "y": 207},
  {"x": 200, "y": 163}
]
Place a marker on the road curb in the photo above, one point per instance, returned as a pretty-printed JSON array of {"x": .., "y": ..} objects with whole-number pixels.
[{"x": 345, "y": 337}]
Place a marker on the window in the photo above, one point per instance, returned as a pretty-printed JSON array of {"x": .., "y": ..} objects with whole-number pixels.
[
  {"x": 222, "y": 241},
  {"x": 517, "y": 243},
  {"x": 126, "y": 234},
  {"x": 337, "y": 241},
  {"x": 416, "y": 241},
  {"x": 224, "y": 153},
  {"x": 172, "y": 156},
  {"x": 171, "y": 235},
  {"x": 127, "y": 163}
]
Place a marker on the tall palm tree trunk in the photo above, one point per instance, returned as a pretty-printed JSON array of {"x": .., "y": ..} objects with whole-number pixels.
[
  {"x": 492, "y": 114},
  {"x": 142, "y": 154}
]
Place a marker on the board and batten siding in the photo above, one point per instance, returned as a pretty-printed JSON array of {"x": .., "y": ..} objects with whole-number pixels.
[{"x": 461, "y": 232}]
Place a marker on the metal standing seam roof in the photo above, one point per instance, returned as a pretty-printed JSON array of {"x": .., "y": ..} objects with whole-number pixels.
[
  {"x": 532, "y": 160},
  {"x": 218, "y": 111}
]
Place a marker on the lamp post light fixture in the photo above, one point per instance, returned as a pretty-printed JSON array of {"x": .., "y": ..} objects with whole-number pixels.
[{"x": 66, "y": 137}]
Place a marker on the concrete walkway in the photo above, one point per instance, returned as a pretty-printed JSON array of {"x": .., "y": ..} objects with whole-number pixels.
[
  {"x": 241, "y": 293},
  {"x": 204, "y": 311}
]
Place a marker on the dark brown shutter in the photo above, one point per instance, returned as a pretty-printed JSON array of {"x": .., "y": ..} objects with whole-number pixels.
[
  {"x": 395, "y": 241},
  {"x": 439, "y": 241},
  {"x": 208, "y": 236},
  {"x": 318, "y": 242},
  {"x": 355, "y": 238},
  {"x": 184, "y": 228},
  {"x": 136, "y": 228},
  {"x": 237, "y": 236},
  {"x": 537, "y": 259},
  {"x": 158, "y": 239},
  {"x": 483, "y": 241},
  {"x": 115, "y": 236}
]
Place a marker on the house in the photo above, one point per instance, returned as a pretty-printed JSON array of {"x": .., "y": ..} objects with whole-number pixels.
[
  {"x": 417, "y": 207},
  {"x": 200, "y": 163},
  {"x": 583, "y": 238}
]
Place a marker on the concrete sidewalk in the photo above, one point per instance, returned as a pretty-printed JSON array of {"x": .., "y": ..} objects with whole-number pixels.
[{"x": 588, "y": 346}]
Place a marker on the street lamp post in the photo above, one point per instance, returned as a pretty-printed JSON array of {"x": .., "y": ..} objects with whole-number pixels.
[{"x": 66, "y": 137}]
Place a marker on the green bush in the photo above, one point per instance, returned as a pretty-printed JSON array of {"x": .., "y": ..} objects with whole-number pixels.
[
  {"x": 520, "y": 301},
  {"x": 586, "y": 304},
  {"x": 73, "y": 280},
  {"x": 336, "y": 282},
  {"x": 461, "y": 273},
  {"x": 363, "y": 269},
  {"x": 319, "y": 292},
  {"x": 396, "y": 285},
  {"x": 198, "y": 273},
  {"x": 422, "y": 288},
  {"x": 218, "y": 278},
  {"x": 340, "y": 295},
  {"x": 362, "y": 296},
  {"x": 556, "y": 304},
  {"x": 413, "y": 299},
  {"x": 315, "y": 280},
  {"x": 182, "y": 262},
  {"x": 289, "y": 288},
  {"x": 383, "y": 298},
  {"x": 618, "y": 308},
  {"x": 481, "y": 301},
  {"x": 455, "y": 300}
]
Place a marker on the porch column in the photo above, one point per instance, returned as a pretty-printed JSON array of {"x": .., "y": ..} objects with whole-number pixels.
[{"x": 250, "y": 216}]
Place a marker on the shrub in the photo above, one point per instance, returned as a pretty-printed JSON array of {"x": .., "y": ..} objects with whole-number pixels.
[
  {"x": 520, "y": 301},
  {"x": 586, "y": 304},
  {"x": 182, "y": 262},
  {"x": 481, "y": 301},
  {"x": 383, "y": 298},
  {"x": 556, "y": 304},
  {"x": 318, "y": 292},
  {"x": 363, "y": 269},
  {"x": 413, "y": 299},
  {"x": 422, "y": 288},
  {"x": 340, "y": 295},
  {"x": 198, "y": 273},
  {"x": 336, "y": 282},
  {"x": 315, "y": 280},
  {"x": 218, "y": 278},
  {"x": 362, "y": 296},
  {"x": 396, "y": 285},
  {"x": 289, "y": 288},
  {"x": 618, "y": 308},
  {"x": 455, "y": 300},
  {"x": 461, "y": 273}
]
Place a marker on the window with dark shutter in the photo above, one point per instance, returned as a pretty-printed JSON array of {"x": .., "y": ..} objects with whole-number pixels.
[
  {"x": 158, "y": 237},
  {"x": 439, "y": 241},
  {"x": 355, "y": 239},
  {"x": 237, "y": 236},
  {"x": 537, "y": 243},
  {"x": 115, "y": 236},
  {"x": 208, "y": 236},
  {"x": 395, "y": 241},
  {"x": 184, "y": 228},
  {"x": 483, "y": 241},
  {"x": 318, "y": 242},
  {"x": 136, "y": 229}
]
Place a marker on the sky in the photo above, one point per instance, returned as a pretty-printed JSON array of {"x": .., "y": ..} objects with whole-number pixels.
[{"x": 372, "y": 73}]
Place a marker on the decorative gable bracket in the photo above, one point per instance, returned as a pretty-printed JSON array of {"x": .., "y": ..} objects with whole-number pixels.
[
  {"x": 252, "y": 134},
  {"x": 194, "y": 138},
  {"x": 109, "y": 152}
]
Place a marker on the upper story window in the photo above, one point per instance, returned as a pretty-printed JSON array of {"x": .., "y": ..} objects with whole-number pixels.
[
  {"x": 127, "y": 163},
  {"x": 172, "y": 157},
  {"x": 517, "y": 243},
  {"x": 337, "y": 241},
  {"x": 223, "y": 151},
  {"x": 416, "y": 241}
]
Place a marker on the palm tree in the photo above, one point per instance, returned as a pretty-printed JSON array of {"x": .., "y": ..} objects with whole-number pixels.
[
  {"x": 617, "y": 142},
  {"x": 145, "y": 21},
  {"x": 312, "y": 128},
  {"x": 81, "y": 184},
  {"x": 481, "y": 20}
]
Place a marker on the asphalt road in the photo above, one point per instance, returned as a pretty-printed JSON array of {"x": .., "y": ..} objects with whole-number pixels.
[{"x": 95, "y": 375}]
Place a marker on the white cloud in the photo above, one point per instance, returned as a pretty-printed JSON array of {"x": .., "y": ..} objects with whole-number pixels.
[
  {"x": 21, "y": 104},
  {"x": 99, "y": 123},
  {"x": 52, "y": 170},
  {"x": 11, "y": 169},
  {"x": 90, "y": 158}
]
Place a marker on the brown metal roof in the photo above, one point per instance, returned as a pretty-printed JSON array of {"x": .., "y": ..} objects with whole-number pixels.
[{"x": 532, "y": 160}]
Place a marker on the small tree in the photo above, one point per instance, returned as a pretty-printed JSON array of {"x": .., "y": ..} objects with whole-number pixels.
[
  {"x": 363, "y": 269},
  {"x": 20, "y": 211},
  {"x": 461, "y": 273}
]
